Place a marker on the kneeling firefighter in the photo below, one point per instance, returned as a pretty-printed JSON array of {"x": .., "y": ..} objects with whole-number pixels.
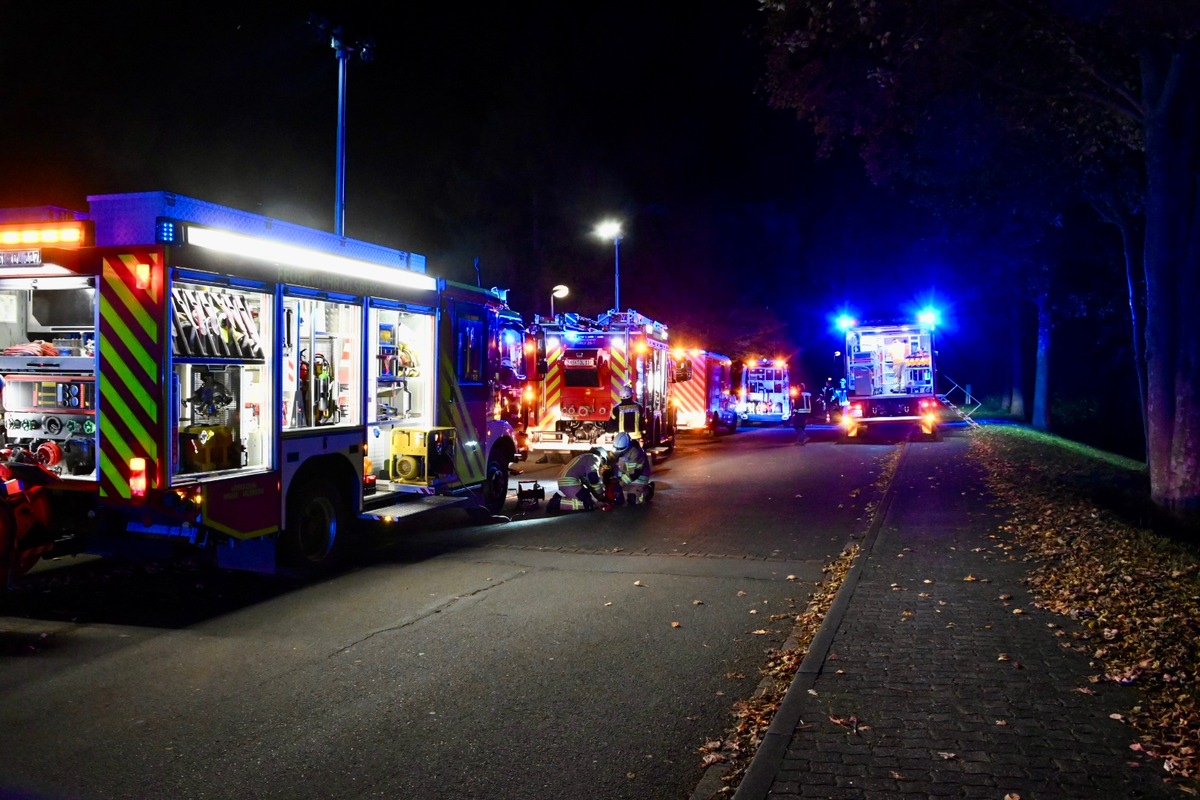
[
  {"x": 633, "y": 470},
  {"x": 581, "y": 483}
]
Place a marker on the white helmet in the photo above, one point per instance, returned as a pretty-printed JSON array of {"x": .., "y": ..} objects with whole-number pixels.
[
  {"x": 627, "y": 393},
  {"x": 600, "y": 452},
  {"x": 622, "y": 442}
]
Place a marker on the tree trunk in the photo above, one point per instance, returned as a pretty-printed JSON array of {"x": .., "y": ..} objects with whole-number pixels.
[
  {"x": 1041, "y": 381},
  {"x": 1017, "y": 398},
  {"x": 1171, "y": 94}
]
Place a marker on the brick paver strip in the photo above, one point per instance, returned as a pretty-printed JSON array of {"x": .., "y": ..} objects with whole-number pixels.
[{"x": 939, "y": 689}]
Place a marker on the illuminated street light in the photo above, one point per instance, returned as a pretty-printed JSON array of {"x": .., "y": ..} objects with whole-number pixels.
[
  {"x": 612, "y": 230},
  {"x": 560, "y": 292}
]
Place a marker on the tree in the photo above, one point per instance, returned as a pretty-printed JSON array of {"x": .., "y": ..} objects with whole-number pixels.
[{"x": 1065, "y": 89}]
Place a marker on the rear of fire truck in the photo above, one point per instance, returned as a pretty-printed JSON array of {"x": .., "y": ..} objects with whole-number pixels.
[
  {"x": 704, "y": 401},
  {"x": 182, "y": 377},
  {"x": 765, "y": 393},
  {"x": 584, "y": 366},
  {"x": 890, "y": 375}
]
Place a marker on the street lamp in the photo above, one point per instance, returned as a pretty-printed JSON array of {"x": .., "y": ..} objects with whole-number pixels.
[
  {"x": 560, "y": 292},
  {"x": 610, "y": 229},
  {"x": 343, "y": 47}
]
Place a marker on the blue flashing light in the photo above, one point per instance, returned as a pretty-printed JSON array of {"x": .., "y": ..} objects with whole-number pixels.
[
  {"x": 166, "y": 232},
  {"x": 929, "y": 317},
  {"x": 845, "y": 322},
  {"x": 571, "y": 336}
]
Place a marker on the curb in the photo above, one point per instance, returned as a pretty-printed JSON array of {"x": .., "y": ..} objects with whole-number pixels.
[{"x": 756, "y": 783}]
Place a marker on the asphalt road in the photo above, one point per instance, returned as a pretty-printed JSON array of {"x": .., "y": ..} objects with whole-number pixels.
[{"x": 534, "y": 658}]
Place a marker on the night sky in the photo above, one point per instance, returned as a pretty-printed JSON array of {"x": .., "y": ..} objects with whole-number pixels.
[{"x": 503, "y": 133}]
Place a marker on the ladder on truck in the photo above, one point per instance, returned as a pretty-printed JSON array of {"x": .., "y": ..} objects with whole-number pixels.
[{"x": 965, "y": 407}]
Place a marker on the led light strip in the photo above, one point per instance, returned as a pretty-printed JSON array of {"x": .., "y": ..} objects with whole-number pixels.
[{"x": 239, "y": 244}]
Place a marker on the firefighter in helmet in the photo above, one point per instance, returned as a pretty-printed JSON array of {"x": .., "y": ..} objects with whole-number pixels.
[
  {"x": 628, "y": 413},
  {"x": 633, "y": 470},
  {"x": 581, "y": 483}
]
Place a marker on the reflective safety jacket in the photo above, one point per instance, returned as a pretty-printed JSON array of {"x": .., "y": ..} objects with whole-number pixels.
[
  {"x": 633, "y": 465},
  {"x": 582, "y": 471}
]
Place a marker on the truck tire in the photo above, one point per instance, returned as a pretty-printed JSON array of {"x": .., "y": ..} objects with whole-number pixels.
[
  {"x": 313, "y": 542},
  {"x": 495, "y": 485}
]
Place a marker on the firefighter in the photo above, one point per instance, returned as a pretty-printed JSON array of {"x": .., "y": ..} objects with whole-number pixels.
[
  {"x": 581, "y": 484},
  {"x": 633, "y": 470},
  {"x": 628, "y": 413},
  {"x": 800, "y": 421}
]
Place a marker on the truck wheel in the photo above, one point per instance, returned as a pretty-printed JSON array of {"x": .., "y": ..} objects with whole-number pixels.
[
  {"x": 495, "y": 485},
  {"x": 316, "y": 521}
]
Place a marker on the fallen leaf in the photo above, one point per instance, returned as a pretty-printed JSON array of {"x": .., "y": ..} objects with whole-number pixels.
[
  {"x": 676, "y": 624},
  {"x": 1002, "y": 657},
  {"x": 741, "y": 593},
  {"x": 1002, "y": 723},
  {"x": 948, "y": 756},
  {"x": 630, "y": 775},
  {"x": 637, "y": 583},
  {"x": 760, "y": 632},
  {"x": 896, "y": 776},
  {"x": 1018, "y": 611},
  {"x": 1012, "y": 796},
  {"x": 970, "y": 578},
  {"x": 697, "y": 602}
]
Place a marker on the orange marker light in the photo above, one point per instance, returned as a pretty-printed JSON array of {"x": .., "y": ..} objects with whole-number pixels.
[{"x": 142, "y": 276}]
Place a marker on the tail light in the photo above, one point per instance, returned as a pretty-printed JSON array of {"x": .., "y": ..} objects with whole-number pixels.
[{"x": 137, "y": 477}]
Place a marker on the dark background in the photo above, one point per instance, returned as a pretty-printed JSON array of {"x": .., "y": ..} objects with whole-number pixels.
[{"x": 505, "y": 134}]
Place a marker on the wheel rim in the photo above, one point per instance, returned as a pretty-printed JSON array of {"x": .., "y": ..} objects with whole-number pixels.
[{"x": 318, "y": 529}]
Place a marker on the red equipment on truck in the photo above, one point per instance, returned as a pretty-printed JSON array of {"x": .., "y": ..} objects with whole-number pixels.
[
  {"x": 706, "y": 400},
  {"x": 581, "y": 367},
  {"x": 183, "y": 376},
  {"x": 890, "y": 375}
]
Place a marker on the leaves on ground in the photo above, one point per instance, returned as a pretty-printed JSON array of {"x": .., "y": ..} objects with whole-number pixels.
[
  {"x": 752, "y": 717},
  {"x": 1134, "y": 594}
]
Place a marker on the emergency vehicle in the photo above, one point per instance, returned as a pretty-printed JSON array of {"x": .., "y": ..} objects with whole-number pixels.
[
  {"x": 580, "y": 367},
  {"x": 705, "y": 402},
  {"x": 890, "y": 375},
  {"x": 180, "y": 375},
  {"x": 765, "y": 393}
]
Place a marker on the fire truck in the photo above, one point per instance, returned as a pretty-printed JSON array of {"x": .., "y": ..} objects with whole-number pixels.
[
  {"x": 705, "y": 402},
  {"x": 890, "y": 375},
  {"x": 765, "y": 393},
  {"x": 580, "y": 368},
  {"x": 182, "y": 376}
]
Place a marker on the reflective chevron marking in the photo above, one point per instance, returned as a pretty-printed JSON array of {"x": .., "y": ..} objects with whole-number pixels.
[{"x": 130, "y": 353}]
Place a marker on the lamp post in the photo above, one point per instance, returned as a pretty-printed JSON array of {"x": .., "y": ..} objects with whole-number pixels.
[
  {"x": 560, "y": 292},
  {"x": 612, "y": 230},
  {"x": 343, "y": 48}
]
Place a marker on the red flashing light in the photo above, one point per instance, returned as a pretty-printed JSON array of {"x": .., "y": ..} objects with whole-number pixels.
[{"x": 137, "y": 477}]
